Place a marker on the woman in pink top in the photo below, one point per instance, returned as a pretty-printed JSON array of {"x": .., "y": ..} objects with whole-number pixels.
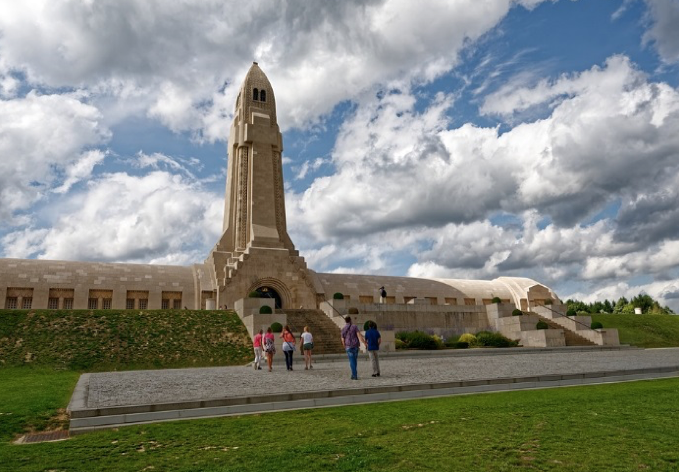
[
  {"x": 269, "y": 347},
  {"x": 257, "y": 345},
  {"x": 288, "y": 346}
]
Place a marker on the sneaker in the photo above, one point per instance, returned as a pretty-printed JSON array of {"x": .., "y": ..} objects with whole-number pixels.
[
  {"x": 259, "y": 368},
  {"x": 306, "y": 368},
  {"x": 354, "y": 378},
  {"x": 310, "y": 366},
  {"x": 374, "y": 375},
  {"x": 378, "y": 374}
]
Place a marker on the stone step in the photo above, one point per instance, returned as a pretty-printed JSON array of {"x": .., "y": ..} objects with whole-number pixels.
[
  {"x": 571, "y": 338},
  {"x": 325, "y": 332}
]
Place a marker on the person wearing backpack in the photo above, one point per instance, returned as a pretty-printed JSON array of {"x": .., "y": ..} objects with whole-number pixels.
[
  {"x": 288, "y": 346},
  {"x": 269, "y": 347},
  {"x": 351, "y": 340}
]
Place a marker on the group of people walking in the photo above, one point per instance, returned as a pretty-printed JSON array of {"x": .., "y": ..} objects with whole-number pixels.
[{"x": 264, "y": 345}]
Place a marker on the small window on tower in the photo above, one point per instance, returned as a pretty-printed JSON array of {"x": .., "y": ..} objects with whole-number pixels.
[
  {"x": 255, "y": 95},
  {"x": 262, "y": 96}
]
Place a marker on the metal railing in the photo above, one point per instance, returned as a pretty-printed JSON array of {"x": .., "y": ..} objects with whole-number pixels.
[{"x": 565, "y": 316}]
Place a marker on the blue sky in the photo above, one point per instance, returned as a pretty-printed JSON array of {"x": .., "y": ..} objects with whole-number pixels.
[{"x": 529, "y": 138}]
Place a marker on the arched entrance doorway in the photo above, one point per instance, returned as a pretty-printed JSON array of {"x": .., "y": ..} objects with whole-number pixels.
[{"x": 268, "y": 292}]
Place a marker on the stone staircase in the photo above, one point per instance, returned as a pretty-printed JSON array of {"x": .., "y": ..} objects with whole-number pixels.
[
  {"x": 572, "y": 338},
  {"x": 325, "y": 331}
]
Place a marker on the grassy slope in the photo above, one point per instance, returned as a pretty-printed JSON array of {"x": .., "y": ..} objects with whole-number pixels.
[
  {"x": 122, "y": 339},
  {"x": 646, "y": 331},
  {"x": 602, "y": 427}
]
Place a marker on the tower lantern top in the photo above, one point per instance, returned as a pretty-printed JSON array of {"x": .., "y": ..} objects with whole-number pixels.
[{"x": 256, "y": 96}]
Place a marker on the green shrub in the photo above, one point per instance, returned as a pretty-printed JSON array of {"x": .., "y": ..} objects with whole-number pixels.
[
  {"x": 516, "y": 312},
  {"x": 583, "y": 313},
  {"x": 571, "y": 312},
  {"x": 254, "y": 294},
  {"x": 488, "y": 339},
  {"x": 596, "y": 325},
  {"x": 468, "y": 338},
  {"x": 399, "y": 344},
  {"x": 265, "y": 310},
  {"x": 276, "y": 327},
  {"x": 353, "y": 311},
  {"x": 338, "y": 296},
  {"x": 451, "y": 341},
  {"x": 366, "y": 325},
  {"x": 541, "y": 325},
  {"x": 418, "y": 340},
  {"x": 496, "y": 300},
  {"x": 461, "y": 345}
]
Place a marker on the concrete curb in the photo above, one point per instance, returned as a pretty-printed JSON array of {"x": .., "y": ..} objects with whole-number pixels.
[
  {"x": 279, "y": 358},
  {"x": 85, "y": 419}
]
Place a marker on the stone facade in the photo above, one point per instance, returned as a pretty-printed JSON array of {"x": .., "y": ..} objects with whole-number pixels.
[{"x": 255, "y": 253}]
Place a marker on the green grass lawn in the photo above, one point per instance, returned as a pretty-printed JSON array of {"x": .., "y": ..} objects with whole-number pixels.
[
  {"x": 626, "y": 426},
  {"x": 646, "y": 331},
  {"x": 102, "y": 340}
]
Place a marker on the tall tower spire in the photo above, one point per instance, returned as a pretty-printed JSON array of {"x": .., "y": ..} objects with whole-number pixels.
[
  {"x": 255, "y": 251},
  {"x": 254, "y": 209}
]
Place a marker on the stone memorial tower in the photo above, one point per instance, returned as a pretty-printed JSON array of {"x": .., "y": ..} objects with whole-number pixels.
[{"x": 255, "y": 252}]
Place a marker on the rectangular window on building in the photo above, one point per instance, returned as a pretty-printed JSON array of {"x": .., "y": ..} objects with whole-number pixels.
[
  {"x": 433, "y": 300},
  {"x": 390, "y": 300},
  {"x": 53, "y": 304},
  {"x": 487, "y": 301},
  {"x": 11, "y": 303},
  {"x": 129, "y": 304},
  {"x": 347, "y": 297},
  {"x": 106, "y": 303},
  {"x": 451, "y": 301},
  {"x": 26, "y": 303},
  {"x": 470, "y": 301},
  {"x": 96, "y": 294},
  {"x": 68, "y": 303},
  {"x": 165, "y": 304},
  {"x": 407, "y": 299},
  {"x": 62, "y": 293},
  {"x": 366, "y": 299},
  {"x": 137, "y": 296},
  {"x": 173, "y": 300}
]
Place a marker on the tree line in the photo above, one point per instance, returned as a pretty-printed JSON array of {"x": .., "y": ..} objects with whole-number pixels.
[{"x": 622, "y": 306}]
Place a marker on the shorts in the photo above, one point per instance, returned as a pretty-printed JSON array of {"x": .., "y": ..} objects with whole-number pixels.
[{"x": 308, "y": 346}]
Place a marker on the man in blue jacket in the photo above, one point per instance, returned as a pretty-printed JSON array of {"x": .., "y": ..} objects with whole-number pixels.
[{"x": 373, "y": 341}]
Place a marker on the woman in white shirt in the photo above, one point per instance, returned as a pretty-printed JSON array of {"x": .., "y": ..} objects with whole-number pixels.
[{"x": 308, "y": 346}]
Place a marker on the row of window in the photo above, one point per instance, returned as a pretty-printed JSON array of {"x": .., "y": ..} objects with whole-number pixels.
[
  {"x": 389, "y": 300},
  {"x": 12, "y": 303},
  {"x": 62, "y": 298}
]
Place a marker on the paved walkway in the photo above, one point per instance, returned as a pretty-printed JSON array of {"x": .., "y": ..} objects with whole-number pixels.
[{"x": 114, "y": 398}]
